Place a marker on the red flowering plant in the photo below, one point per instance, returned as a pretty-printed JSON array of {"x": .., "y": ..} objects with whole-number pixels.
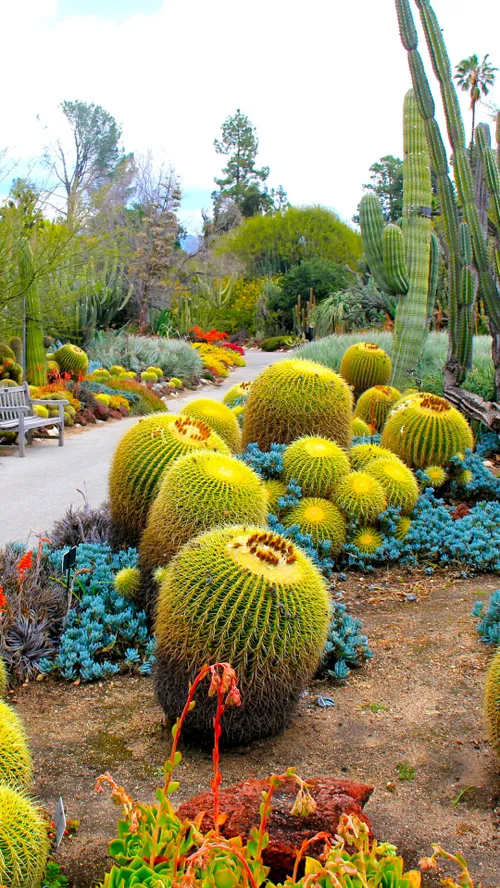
[{"x": 209, "y": 337}]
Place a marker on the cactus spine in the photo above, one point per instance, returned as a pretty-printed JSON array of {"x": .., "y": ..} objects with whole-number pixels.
[
  {"x": 36, "y": 361},
  {"x": 402, "y": 261}
]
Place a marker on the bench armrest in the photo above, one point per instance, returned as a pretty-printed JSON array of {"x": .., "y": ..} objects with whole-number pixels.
[
  {"x": 49, "y": 401},
  {"x": 19, "y": 408}
]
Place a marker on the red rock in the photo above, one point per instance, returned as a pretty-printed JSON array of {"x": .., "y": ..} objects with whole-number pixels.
[
  {"x": 286, "y": 831},
  {"x": 460, "y": 512},
  {"x": 115, "y": 414},
  {"x": 101, "y": 411}
]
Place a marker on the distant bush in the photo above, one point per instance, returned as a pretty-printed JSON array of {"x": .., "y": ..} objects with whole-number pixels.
[
  {"x": 174, "y": 356},
  {"x": 273, "y": 343}
]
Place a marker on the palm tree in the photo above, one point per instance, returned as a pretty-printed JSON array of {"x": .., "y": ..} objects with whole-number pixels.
[{"x": 475, "y": 77}]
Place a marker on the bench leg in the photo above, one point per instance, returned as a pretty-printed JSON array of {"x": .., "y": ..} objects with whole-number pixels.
[
  {"x": 20, "y": 436},
  {"x": 61, "y": 434},
  {"x": 29, "y": 437}
]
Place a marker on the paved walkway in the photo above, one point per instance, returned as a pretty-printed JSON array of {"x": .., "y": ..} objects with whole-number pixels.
[{"x": 37, "y": 490}]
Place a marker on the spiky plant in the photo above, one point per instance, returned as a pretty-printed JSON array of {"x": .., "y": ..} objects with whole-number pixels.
[
  {"x": 319, "y": 518},
  {"x": 200, "y": 491},
  {"x": 237, "y": 394},
  {"x": 4, "y": 678},
  {"x": 317, "y": 464},
  {"x": 24, "y": 843},
  {"x": 426, "y": 430},
  {"x": 360, "y": 427},
  {"x": 128, "y": 582},
  {"x": 273, "y": 490},
  {"x": 16, "y": 768},
  {"x": 140, "y": 460},
  {"x": 367, "y": 539},
  {"x": 251, "y": 598},
  {"x": 361, "y": 455},
  {"x": 219, "y": 417},
  {"x": 398, "y": 481},
  {"x": 297, "y": 397},
  {"x": 36, "y": 362},
  {"x": 375, "y": 404},
  {"x": 492, "y": 702},
  {"x": 149, "y": 376},
  {"x": 360, "y": 496},
  {"x": 402, "y": 527},
  {"x": 117, "y": 370},
  {"x": 72, "y": 359},
  {"x": 6, "y": 353},
  {"x": 364, "y": 365},
  {"x": 436, "y": 476}
]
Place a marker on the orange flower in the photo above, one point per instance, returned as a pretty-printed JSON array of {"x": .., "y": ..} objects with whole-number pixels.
[
  {"x": 3, "y": 600},
  {"x": 25, "y": 563}
]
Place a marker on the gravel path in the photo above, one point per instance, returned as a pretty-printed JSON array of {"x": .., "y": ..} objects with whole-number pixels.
[{"x": 37, "y": 490}]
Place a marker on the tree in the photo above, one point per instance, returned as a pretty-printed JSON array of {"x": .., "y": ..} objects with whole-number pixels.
[
  {"x": 272, "y": 244},
  {"x": 387, "y": 183},
  {"x": 475, "y": 77},
  {"x": 242, "y": 182},
  {"x": 321, "y": 275},
  {"x": 95, "y": 160}
]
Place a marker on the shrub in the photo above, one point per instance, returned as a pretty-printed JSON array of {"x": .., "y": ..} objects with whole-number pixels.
[
  {"x": 140, "y": 460},
  {"x": 16, "y": 768},
  {"x": 199, "y": 492},
  {"x": 81, "y": 525},
  {"x": 320, "y": 519},
  {"x": 175, "y": 357},
  {"x": 24, "y": 844},
  {"x": 375, "y": 403},
  {"x": 273, "y": 343},
  {"x": 492, "y": 701},
  {"x": 268, "y": 612},
  {"x": 293, "y": 398},
  {"x": 360, "y": 496},
  {"x": 219, "y": 417},
  {"x": 71, "y": 359},
  {"x": 316, "y": 464},
  {"x": 425, "y": 430},
  {"x": 398, "y": 482},
  {"x": 364, "y": 365},
  {"x": 147, "y": 402}
]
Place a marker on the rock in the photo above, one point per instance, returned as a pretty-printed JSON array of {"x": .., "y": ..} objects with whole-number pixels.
[
  {"x": 286, "y": 831},
  {"x": 102, "y": 412}
]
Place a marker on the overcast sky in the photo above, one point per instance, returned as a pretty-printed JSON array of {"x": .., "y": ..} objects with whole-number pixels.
[{"x": 322, "y": 80}]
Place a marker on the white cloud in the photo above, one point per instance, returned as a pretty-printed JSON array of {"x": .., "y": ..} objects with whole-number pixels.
[{"x": 322, "y": 81}]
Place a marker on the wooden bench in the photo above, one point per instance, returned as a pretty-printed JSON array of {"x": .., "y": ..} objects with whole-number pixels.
[{"x": 17, "y": 414}]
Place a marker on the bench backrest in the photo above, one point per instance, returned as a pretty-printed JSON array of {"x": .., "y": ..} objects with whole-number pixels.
[{"x": 14, "y": 396}]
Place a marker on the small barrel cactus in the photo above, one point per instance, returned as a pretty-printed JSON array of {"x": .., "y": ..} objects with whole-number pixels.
[
  {"x": 360, "y": 496},
  {"x": 364, "y": 365},
  {"x": 140, "y": 460},
  {"x": 361, "y": 455},
  {"x": 16, "y": 767},
  {"x": 251, "y": 598},
  {"x": 24, "y": 843},
  {"x": 436, "y": 477},
  {"x": 375, "y": 404},
  {"x": 71, "y": 359},
  {"x": 360, "y": 427},
  {"x": 398, "y": 481},
  {"x": 367, "y": 540},
  {"x": 219, "y": 417},
  {"x": 320, "y": 519},
  {"x": 237, "y": 394},
  {"x": 425, "y": 430},
  {"x": 128, "y": 582},
  {"x": 297, "y": 397},
  {"x": 317, "y": 464}
]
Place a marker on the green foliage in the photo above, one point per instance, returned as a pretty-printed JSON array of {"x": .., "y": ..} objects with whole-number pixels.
[
  {"x": 242, "y": 182},
  {"x": 199, "y": 492},
  {"x": 316, "y": 464},
  {"x": 492, "y": 701},
  {"x": 319, "y": 518},
  {"x": 267, "y": 608},
  {"x": 218, "y": 417},
  {"x": 239, "y": 313},
  {"x": 387, "y": 185},
  {"x": 361, "y": 305},
  {"x": 375, "y": 403},
  {"x": 425, "y": 430},
  {"x": 360, "y": 496},
  {"x": 16, "y": 768},
  {"x": 72, "y": 359},
  {"x": 320, "y": 275},
  {"x": 24, "y": 845},
  {"x": 296, "y": 397},
  {"x": 365, "y": 365},
  {"x": 36, "y": 362},
  {"x": 140, "y": 461},
  {"x": 398, "y": 482},
  {"x": 273, "y": 343},
  {"x": 274, "y": 244},
  {"x": 176, "y": 358}
]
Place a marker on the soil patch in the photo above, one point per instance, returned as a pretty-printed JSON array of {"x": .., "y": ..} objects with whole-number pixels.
[{"x": 410, "y": 722}]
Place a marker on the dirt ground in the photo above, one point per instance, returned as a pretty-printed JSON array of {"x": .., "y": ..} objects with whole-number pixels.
[{"x": 414, "y": 711}]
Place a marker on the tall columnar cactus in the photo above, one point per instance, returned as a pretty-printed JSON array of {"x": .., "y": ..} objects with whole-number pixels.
[
  {"x": 461, "y": 280},
  {"x": 400, "y": 258},
  {"x": 36, "y": 361}
]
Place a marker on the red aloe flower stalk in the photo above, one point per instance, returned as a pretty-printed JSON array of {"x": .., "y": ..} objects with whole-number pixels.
[
  {"x": 209, "y": 845},
  {"x": 305, "y": 845}
]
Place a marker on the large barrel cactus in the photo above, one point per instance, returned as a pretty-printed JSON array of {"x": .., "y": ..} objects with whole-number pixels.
[
  {"x": 364, "y": 365},
  {"x": 72, "y": 360},
  {"x": 249, "y": 597},
  {"x": 297, "y": 397},
  {"x": 492, "y": 702},
  {"x": 140, "y": 460},
  {"x": 425, "y": 430},
  {"x": 24, "y": 843},
  {"x": 16, "y": 768},
  {"x": 219, "y": 417},
  {"x": 200, "y": 491},
  {"x": 374, "y": 405},
  {"x": 317, "y": 464}
]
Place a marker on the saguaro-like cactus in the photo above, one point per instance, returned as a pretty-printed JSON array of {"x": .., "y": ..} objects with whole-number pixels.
[
  {"x": 36, "y": 361},
  {"x": 464, "y": 265},
  {"x": 401, "y": 259}
]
